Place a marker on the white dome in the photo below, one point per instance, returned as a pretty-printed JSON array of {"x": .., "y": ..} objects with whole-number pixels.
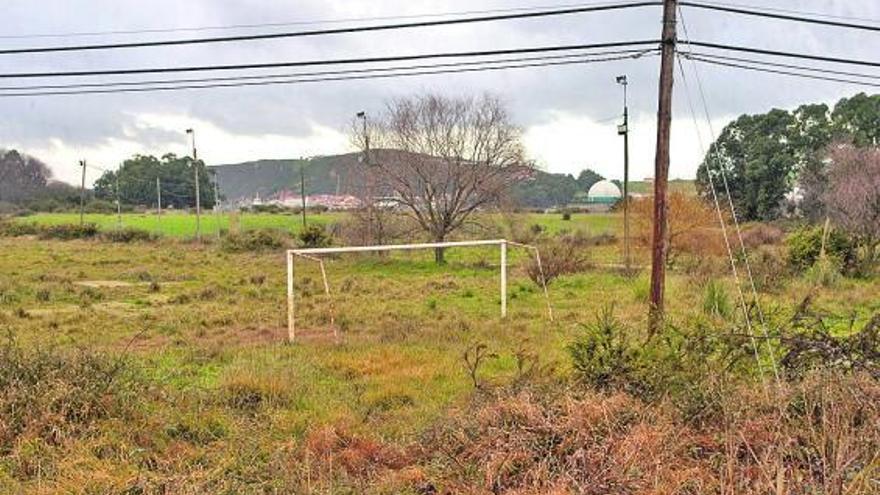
[{"x": 604, "y": 189}]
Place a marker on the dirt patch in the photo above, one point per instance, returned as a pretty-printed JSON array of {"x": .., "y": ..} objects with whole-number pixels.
[{"x": 101, "y": 284}]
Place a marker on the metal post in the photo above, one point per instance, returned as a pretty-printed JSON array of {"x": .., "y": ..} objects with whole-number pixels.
[
  {"x": 661, "y": 168},
  {"x": 624, "y": 130},
  {"x": 195, "y": 156},
  {"x": 216, "y": 205},
  {"x": 302, "y": 194},
  {"x": 503, "y": 279}
]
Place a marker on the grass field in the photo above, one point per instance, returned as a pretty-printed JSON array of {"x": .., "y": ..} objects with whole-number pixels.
[
  {"x": 182, "y": 225},
  {"x": 212, "y": 399}
]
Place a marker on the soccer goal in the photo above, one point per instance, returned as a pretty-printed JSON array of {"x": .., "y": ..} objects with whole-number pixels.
[{"x": 314, "y": 255}]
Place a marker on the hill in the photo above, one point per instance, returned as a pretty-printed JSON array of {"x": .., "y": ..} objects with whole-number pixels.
[{"x": 334, "y": 174}]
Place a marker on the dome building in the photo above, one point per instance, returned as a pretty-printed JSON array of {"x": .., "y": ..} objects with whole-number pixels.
[{"x": 603, "y": 192}]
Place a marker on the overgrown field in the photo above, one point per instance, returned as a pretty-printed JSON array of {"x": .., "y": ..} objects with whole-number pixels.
[{"x": 162, "y": 367}]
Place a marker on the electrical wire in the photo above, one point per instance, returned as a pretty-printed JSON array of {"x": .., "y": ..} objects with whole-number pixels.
[
  {"x": 347, "y": 61},
  {"x": 779, "y": 16},
  {"x": 323, "y": 32},
  {"x": 778, "y": 64},
  {"x": 706, "y": 60},
  {"x": 793, "y": 11},
  {"x": 319, "y": 79},
  {"x": 299, "y": 23},
  {"x": 778, "y": 53},
  {"x": 319, "y": 73},
  {"x": 756, "y": 300}
]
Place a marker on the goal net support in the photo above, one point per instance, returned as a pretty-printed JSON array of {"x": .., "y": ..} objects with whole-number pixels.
[{"x": 314, "y": 255}]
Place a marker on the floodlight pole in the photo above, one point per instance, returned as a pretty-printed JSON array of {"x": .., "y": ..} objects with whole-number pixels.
[
  {"x": 82, "y": 193},
  {"x": 195, "y": 156}
]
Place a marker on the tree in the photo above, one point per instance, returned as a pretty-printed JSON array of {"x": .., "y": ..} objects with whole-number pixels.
[
  {"x": 442, "y": 159},
  {"x": 764, "y": 156},
  {"x": 137, "y": 181},
  {"x": 22, "y": 177},
  {"x": 587, "y": 178},
  {"x": 852, "y": 197}
]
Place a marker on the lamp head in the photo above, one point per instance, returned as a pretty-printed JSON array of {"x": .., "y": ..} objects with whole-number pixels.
[
  {"x": 621, "y": 80},
  {"x": 189, "y": 131},
  {"x": 362, "y": 115}
]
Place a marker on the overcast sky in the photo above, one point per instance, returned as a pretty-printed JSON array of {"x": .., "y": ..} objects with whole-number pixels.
[{"x": 568, "y": 113}]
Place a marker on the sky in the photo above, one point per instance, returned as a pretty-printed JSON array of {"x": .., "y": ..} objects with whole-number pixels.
[{"x": 568, "y": 113}]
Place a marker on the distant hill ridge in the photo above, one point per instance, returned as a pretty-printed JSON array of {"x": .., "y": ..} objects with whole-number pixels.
[{"x": 334, "y": 174}]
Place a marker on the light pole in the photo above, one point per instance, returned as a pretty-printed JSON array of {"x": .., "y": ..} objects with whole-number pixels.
[
  {"x": 624, "y": 131},
  {"x": 195, "y": 157},
  {"x": 363, "y": 116}
]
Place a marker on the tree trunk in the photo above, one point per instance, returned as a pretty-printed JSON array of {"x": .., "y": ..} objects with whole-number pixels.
[{"x": 439, "y": 257}]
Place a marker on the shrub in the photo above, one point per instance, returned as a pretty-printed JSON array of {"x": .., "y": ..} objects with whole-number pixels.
[
  {"x": 99, "y": 206},
  {"x": 761, "y": 234},
  {"x": 67, "y": 232},
  {"x": 559, "y": 257},
  {"x": 314, "y": 236},
  {"x": 805, "y": 244},
  {"x": 17, "y": 229},
  {"x": 603, "y": 357},
  {"x": 769, "y": 270},
  {"x": 128, "y": 234},
  {"x": 255, "y": 240}
]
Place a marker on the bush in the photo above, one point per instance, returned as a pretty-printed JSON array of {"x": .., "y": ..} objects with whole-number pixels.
[
  {"x": 805, "y": 244},
  {"x": 18, "y": 229},
  {"x": 761, "y": 234},
  {"x": 314, "y": 236},
  {"x": 255, "y": 240},
  {"x": 128, "y": 234},
  {"x": 66, "y": 232},
  {"x": 603, "y": 357},
  {"x": 559, "y": 257},
  {"x": 99, "y": 206}
]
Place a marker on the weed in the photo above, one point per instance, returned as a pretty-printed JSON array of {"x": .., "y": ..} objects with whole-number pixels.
[{"x": 716, "y": 302}]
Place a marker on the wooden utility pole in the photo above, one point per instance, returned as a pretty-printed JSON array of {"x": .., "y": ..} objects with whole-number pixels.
[
  {"x": 82, "y": 193},
  {"x": 661, "y": 167}
]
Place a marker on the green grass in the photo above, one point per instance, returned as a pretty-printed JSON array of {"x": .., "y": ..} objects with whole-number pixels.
[{"x": 183, "y": 225}]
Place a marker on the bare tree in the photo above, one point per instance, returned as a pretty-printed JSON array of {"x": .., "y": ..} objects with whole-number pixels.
[
  {"x": 852, "y": 198},
  {"x": 441, "y": 159}
]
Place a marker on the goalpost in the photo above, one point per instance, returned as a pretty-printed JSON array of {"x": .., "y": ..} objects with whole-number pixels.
[{"x": 313, "y": 254}]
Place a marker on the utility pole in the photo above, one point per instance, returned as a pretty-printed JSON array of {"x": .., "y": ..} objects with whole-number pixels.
[
  {"x": 661, "y": 167},
  {"x": 82, "y": 193},
  {"x": 158, "y": 204},
  {"x": 195, "y": 156},
  {"x": 302, "y": 194},
  {"x": 624, "y": 131},
  {"x": 216, "y": 203},
  {"x": 118, "y": 204}
]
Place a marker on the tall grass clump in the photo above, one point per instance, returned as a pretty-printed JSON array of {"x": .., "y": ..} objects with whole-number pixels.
[
  {"x": 716, "y": 302},
  {"x": 53, "y": 396},
  {"x": 255, "y": 240}
]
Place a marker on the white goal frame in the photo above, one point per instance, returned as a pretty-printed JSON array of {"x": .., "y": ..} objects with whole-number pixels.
[{"x": 313, "y": 254}]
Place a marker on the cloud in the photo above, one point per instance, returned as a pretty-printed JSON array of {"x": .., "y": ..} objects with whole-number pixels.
[{"x": 559, "y": 107}]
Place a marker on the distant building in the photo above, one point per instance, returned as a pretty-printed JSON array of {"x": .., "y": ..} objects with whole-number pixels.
[{"x": 603, "y": 192}]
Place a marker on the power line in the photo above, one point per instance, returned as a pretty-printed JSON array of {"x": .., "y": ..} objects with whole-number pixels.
[
  {"x": 806, "y": 56},
  {"x": 322, "y": 32},
  {"x": 786, "y": 17},
  {"x": 779, "y": 64},
  {"x": 639, "y": 51},
  {"x": 781, "y": 72},
  {"x": 305, "y": 63},
  {"x": 793, "y": 11},
  {"x": 297, "y": 23},
  {"x": 321, "y": 79}
]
